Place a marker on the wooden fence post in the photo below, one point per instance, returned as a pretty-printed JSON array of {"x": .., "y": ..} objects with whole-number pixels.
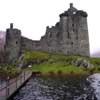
[
  {"x": 24, "y": 75},
  {"x": 7, "y": 87},
  {"x": 16, "y": 82}
]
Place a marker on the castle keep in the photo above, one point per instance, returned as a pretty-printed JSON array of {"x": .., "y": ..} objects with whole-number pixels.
[{"x": 69, "y": 36}]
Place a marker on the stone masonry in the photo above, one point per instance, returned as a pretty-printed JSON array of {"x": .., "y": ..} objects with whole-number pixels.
[{"x": 69, "y": 36}]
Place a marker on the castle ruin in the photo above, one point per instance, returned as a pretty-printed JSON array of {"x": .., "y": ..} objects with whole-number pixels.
[{"x": 69, "y": 36}]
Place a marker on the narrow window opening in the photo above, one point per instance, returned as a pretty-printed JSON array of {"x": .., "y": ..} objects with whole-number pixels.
[
  {"x": 72, "y": 25},
  {"x": 76, "y": 36},
  {"x": 72, "y": 43},
  {"x": 50, "y": 35},
  {"x": 16, "y": 42},
  {"x": 68, "y": 35}
]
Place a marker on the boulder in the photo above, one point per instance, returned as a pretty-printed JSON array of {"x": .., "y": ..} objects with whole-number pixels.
[{"x": 80, "y": 62}]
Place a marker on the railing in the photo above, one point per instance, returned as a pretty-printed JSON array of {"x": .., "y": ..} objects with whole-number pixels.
[{"x": 8, "y": 87}]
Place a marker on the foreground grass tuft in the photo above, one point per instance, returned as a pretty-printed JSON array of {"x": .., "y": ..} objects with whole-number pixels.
[{"x": 8, "y": 70}]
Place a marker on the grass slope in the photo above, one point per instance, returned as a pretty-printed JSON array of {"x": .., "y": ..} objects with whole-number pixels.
[{"x": 60, "y": 63}]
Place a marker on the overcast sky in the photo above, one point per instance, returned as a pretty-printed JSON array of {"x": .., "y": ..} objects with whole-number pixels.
[{"x": 32, "y": 16}]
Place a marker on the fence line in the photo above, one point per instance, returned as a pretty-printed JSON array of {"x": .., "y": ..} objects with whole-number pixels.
[{"x": 8, "y": 87}]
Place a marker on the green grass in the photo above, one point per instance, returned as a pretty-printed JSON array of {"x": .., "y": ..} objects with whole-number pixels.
[
  {"x": 8, "y": 70},
  {"x": 95, "y": 61},
  {"x": 51, "y": 63},
  {"x": 55, "y": 67},
  {"x": 35, "y": 55},
  {"x": 60, "y": 63}
]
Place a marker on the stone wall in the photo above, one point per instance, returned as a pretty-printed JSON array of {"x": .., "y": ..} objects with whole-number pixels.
[{"x": 28, "y": 44}]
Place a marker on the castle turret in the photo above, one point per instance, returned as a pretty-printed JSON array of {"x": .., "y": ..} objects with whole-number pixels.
[
  {"x": 13, "y": 42},
  {"x": 83, "y": 38}
]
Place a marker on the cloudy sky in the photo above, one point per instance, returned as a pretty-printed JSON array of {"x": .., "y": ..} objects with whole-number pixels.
[{"x": 32, "y": 16}]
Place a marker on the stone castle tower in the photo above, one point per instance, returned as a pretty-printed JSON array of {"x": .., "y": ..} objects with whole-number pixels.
[
  {"x": 69, "y": 36},
  {"x": 13, "y": 44}
]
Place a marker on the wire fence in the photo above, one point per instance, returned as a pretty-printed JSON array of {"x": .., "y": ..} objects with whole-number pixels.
[{"x": 8, "y": 87}]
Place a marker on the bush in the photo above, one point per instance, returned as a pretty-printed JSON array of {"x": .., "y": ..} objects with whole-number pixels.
[{"x": 8, "y": 70}]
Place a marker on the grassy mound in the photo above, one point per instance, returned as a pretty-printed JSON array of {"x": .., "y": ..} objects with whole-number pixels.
[
  {"x": 56, "y": 67},
  {"x": 60, "y": 63},
  {"x": 50, "y": 63},
  {"x": 35, "y": 55}
]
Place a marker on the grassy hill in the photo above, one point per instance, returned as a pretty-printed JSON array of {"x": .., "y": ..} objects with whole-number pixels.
[{"x": 51, "y": 63}]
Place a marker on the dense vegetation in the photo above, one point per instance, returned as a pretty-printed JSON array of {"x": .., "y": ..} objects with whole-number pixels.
[{"x": 8, "y": 70}]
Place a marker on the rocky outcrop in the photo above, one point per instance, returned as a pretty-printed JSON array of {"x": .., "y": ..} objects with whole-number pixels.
[{"x": 80, "y": 62}]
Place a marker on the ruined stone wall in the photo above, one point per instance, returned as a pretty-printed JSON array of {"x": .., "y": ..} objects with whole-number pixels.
[
  {"x": 28, "y": 44},
  {"x": 69, "y": 36},
  {"x": 50, "y": 42}
]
